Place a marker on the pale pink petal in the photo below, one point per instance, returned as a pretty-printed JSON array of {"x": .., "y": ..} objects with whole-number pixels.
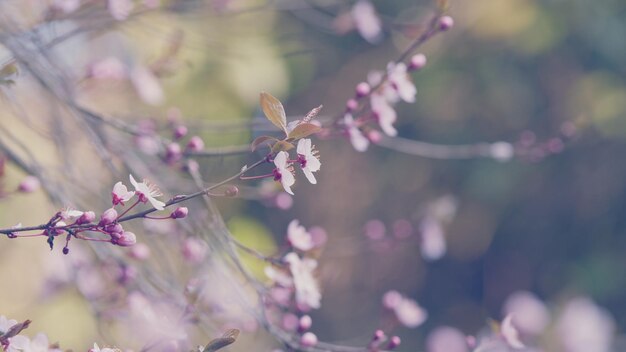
[{"x": 367, "y": 21}]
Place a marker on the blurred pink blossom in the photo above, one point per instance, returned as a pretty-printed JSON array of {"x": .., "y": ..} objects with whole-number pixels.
[
  {"x": 298, "y": 236},
  {"x": 147, "y": 85},
  {"x": 307, "y": 289},
  {"x": 584, "y": 327},
  {"x": 367, "y": 21},
  {"x": 407, "y": 311},
  {"x": 446, "y": 339},
  {"x": 531, "y": 314}
]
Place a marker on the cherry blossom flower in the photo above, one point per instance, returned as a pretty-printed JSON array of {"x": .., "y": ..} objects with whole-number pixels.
[
  {"x": 147, "y": 192},
  {"x": 583, "y": 326},
  {"x": 510, "y": 333},
  {"x": 401, "y": 83},
  {"x": 358, "y": 140},
  {"x": 307, "y": 289},
  {"x": 120, "y": 9},
  {"x": 366, "y": 20},
  {"x": 308, "y": 159},
  {"x": 21, "y": 343},
  {"x": 407, "y": 311},
  {"x": 96, "y": 348},
  {"x": 283, "y": 171},
  {"x": 278, "y": 276},
  {"x": 121, "y": 194},
  {"x": 147, "y": 85},
  {"x": 446, "y": 339},
  {"x": 299, "y": 237},
  {"x": 6, "y": 324},
  {"x": 108, "y": 68},
  {"x": 70, "y": 213},
  {"x": 385, "y": 113},
  {"x": 531, "y": 314}
]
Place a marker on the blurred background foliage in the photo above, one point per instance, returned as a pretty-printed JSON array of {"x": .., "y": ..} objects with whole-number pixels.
[{"x": 554, "y": 227}]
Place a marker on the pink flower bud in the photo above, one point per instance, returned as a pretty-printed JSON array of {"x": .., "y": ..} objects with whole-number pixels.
[
  {"x": 283, "y": 201},
  {"x": 180, "y": 132},
  {"x": 374, "y": 136},
  {"x": 86, "y": 218},
  {"x": 173, "y": 152},
  {"x": 290, "y": 322},
  {"x": 231, "y": 191},
  {"x": 418, "y": 61},
  {"x": 108, "y": 217},
  {"x": 115, "y": 230},
  {"x": 194, "y": 250},
  {"x": 140, "y": 251},
  {"x": 180, "y": 213},
  {"x": 394, "y": 342},
  {"x": 195, "y": 144},
  {"x": 305, "y": 323},
  {"x": 126, "y": 239},
  {"x": 29, "y": 184},
  {"x": 445, "y": 23},
  {"x": 362, "y": 89},
  {"x": 308, "y": 339},
  {"x": 379, "y": 335},
  {"x": 351, "y": 105}
]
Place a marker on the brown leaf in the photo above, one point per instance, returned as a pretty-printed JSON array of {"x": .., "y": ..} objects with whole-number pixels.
[
  {"x": 311, "y": 114},
  {"x": 274, "y": 111},
  {"x": 229, "y": 337},
  {"x": 304, "y": 130},
  {"x": 261, "y": 140}
]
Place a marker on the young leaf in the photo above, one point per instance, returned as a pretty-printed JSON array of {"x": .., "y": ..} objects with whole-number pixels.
[
  {"x": 281, "y": 146},
  {"x": 7, "y": 73},
  {"x": 228, "y": 338},
  {"x": 311, "y": 114},
  {"x": 304, "y": 130},
  {"x": 260, "y": 140},
  {"x": 274, "y": 111}
]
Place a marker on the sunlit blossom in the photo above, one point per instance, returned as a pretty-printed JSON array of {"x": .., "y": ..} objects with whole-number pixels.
[
  {"x": 509, "y": 332},
  {"x": 358, "y": 140},
  {"x": 283, "y": 171},
  {"x": 309, "y": 161},
  {"x": 385, "y": 114},
  {"x": 298, "y": 236},
  {"x": 121, "y": 194},
  {"x": 401, "y": 83},
  {"x": 307, "y": 288},
  {"x": 147, "y": 192}
]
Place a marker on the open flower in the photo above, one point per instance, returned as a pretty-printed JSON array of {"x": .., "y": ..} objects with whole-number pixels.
[
  {"x": 283, "y": 171},
  {"x": 358, "y": 140},
  {"x": 401, "y": 83},
  {"x": 307, "y": 289},
  {"x": 407, "y": 311},
  {"x": 298, "y": 236},
  {"x": 147, "y": 192},
  {"x": 121, "y": 194},
  {"x": 385, "y": 114},
  {"x": 510, "y": 333},
  {"x": 21, "y": 343},
  {"x": 6, "y": 324},
  {"x": 308, "y": 159}
]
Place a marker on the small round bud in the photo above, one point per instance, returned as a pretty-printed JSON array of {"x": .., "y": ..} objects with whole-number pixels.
[
  {"x": 195, "y": 144},
  {"x": 445, "y": 23},
  {"x": 374, "y": 136},
  {"x": 108, "y": 217},
  {"x": 351, "y": 105},
  {"x": 86, "y": 218},
  {"x": 305, "y": 323},
  {"x": 180, "y": 132},
  {"x": 379, "y": 335},
  {"x": 173, "y": 152},
  {"x": 180, "y": 213},
  {"x": 283, "y": 201},
  {"x": 115, "y": 230},
  {"x": 194, "y": 250},
  {"x": 418, "y": 61},
  {"x": 66, "y": 250},
  {"x": 231, "y": 191},
  {"x": 290, "y": 322},
  {"x": 362, "y": 89},
  {"x": 308, "y": 339},
  {"x": 126, "y": 239},
  {"x": 394, "y": 342},
  {"x": 29, "y": 184}
]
